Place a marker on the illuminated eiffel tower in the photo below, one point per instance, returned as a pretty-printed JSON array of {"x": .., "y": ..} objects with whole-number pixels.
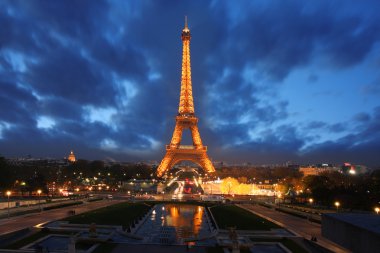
[{"x": 186, "y": 119}]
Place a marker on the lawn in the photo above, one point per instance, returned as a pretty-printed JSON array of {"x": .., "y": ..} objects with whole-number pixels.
[
  {"x": 232, "y": 216},
  {"x": 120, "y": 214}
]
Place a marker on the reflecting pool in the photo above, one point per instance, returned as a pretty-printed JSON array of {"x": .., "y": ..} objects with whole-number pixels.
[{"x": 176, "y": 224}]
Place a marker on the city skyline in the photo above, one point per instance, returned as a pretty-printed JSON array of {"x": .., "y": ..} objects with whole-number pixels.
[{"x": 272, "y": 82}]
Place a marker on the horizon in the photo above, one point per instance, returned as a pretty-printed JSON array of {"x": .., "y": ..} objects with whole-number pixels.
[
  {"x": 234, "y": 163},
  {"x": 272, "y": 83}
]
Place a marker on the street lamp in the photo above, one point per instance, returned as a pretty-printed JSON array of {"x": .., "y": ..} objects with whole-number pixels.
[
  {"x": 8, "y": 194},
  {"x": 377, "y": 210},
  {"x": 311, "y": 201},
  {"x": 337, "y": 204},
  {"x": 39, "y": 199}
]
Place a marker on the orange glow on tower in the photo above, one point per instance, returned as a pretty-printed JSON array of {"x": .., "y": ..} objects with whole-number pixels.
[
  {"x": 186, "y": 104},
  {"x": 185, "y": 119}
]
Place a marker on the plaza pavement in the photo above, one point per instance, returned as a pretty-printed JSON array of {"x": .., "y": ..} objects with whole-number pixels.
[{"x": 294, "y": 224}]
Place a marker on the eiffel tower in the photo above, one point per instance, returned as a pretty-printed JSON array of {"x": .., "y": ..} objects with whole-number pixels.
[{"x": 186, "y": 119}]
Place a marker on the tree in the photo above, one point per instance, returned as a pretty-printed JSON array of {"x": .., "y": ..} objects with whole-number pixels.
[
  {"x": 96, "y": 166},
  {"x": 244, "y": 189},
  {"x": 242, "y": 180},
  {"x": 320, "y": 187},
  {"x": 229, "y": 185},
  {"x": 6, "y": 178},
  {"x": 37, "y": 182}
]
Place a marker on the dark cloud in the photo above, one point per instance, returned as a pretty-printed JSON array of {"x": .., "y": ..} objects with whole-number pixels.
[
  {"x": 360, "y": 147},
  {"x": 276, "y": 146},
  {"x": 354, "y": 41},
  {"x": 71, "y": 76},
  {"x": 59, "y": 107},
  {"x": 75, "y": 19},
  {"x": 372, "y": 88},
  {"x": 17, "y": 105},
  {"x": 278, "y": 38},
  {"x": 312, "y": 78},
  {"x": 315, "y": 125},
  {"x": 362, "y": 117},
  {"x": 337, "y": 128}
]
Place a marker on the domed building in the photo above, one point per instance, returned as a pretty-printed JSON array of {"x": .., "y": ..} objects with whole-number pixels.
[{"x": 71, "y": 157}]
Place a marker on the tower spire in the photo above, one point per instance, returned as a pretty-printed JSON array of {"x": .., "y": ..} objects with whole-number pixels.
[{"x": 186, "y": 103}]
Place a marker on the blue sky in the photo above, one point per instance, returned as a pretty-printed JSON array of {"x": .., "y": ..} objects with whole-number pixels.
[{"x": 273, "y": 81}]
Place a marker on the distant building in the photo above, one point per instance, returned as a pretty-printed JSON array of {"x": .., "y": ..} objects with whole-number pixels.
[
  {"x": 71, "y": 157},
  {"x": 354, "y": 169},
  {"x": 40, "y": 162},
  {"x": 212, "y": 187},
  {"x": 291, "y": 165},
  {"x": 219, "y": 164},
  {"x": 314, "y": 171},
  {"x": 265, "y": 186}
]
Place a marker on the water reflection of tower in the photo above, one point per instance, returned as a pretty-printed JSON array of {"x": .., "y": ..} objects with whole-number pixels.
[{"x": 179, "y": 218}]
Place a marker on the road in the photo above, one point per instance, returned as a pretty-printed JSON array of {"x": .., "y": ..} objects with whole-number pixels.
[
  {"x": 295, "y": 224},
  {"x": 35, "y": 207},
  {"x": 30, "y": 220}
]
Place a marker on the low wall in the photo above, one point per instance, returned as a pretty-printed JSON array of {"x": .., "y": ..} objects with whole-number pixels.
[
  {"x": 16, "y": 203},
  {"x": 13, "y": 203},
  {"x": 4, "y": 205}
]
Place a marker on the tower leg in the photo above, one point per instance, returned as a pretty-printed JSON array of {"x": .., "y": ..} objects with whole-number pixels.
[
  {"x": 165, "y": 164},
  {"x": 206, "y": 163},
  {"x": 197, "y": 141},
  {"x": 177, "y": 136}
]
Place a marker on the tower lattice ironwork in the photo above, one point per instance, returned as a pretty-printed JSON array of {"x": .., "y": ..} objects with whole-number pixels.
[{"x": 186, "y": 119}]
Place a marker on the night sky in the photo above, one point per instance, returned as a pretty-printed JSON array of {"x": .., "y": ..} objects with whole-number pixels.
[{"x": 273, "y": 81}]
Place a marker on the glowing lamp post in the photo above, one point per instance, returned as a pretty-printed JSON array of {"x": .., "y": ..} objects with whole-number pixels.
[
  {"x": 39, "y": 199},
  {"x": 311, "y": 201},
  {"x": 377, "y": 210},
  {"x": 8, "y": 194},
  {"x": 337, "y": 204}
]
